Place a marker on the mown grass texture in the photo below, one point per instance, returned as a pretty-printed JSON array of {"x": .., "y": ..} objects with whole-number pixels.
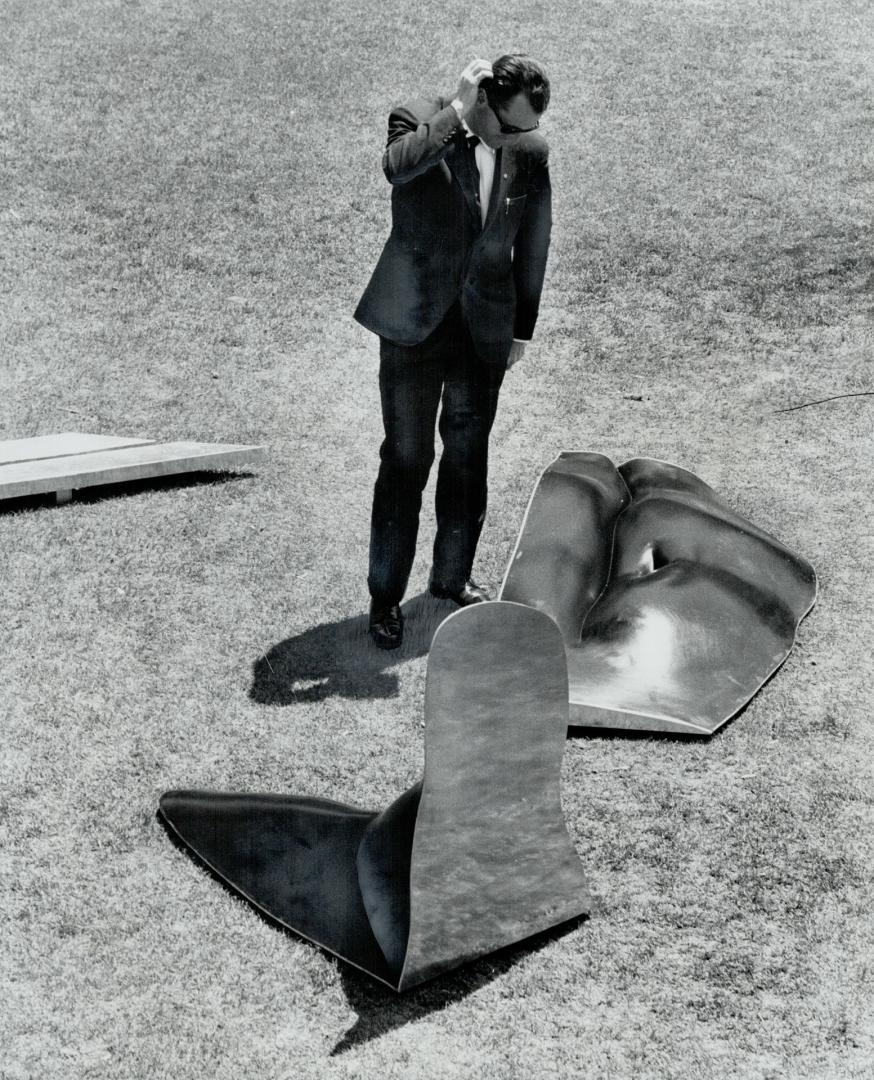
[{"x": 192, "y": 203}]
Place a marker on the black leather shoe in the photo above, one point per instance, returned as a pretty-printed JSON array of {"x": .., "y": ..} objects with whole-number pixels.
[
  {"x": 386, "y": 625},
  {"x": 469, "y": 593}
]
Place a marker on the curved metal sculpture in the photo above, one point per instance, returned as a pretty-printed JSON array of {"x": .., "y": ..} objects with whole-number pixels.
[
  {"x": 674, "y": 609},
  {"x": 473, "y": 858}
]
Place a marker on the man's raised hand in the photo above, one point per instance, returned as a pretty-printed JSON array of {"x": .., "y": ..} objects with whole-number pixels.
[{"x": 468, "y": 86}]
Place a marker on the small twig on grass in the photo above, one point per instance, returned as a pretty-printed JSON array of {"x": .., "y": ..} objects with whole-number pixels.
[
  {"x": 65, "y": 408},
  {"x": 819, "y": 401}
]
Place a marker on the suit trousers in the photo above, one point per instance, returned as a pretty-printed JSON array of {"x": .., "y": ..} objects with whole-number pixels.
[{"x": 442, "y": 373}]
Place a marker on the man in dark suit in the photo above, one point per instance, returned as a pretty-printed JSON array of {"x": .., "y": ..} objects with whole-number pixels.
[{"x": 454, "y": 299}]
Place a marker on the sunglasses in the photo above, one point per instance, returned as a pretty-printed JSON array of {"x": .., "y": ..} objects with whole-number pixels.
[{"x": 509, "y": 129}]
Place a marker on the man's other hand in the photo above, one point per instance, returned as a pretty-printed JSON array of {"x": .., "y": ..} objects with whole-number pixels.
[
  {"x": 468, "y": 86},
  {"x": 517, "y": 351}
]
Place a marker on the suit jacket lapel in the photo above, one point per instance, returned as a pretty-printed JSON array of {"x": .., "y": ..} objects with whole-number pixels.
[
  {"x": 464, "y": 169},
  {"x": 461, "y": 164},
  {"x": 504, "y": 167}
]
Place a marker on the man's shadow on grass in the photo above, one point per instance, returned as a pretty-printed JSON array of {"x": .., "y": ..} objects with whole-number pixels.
[{"x": 339, "y": 659}]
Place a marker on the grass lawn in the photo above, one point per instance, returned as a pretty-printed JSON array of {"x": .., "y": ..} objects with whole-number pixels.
[{"x": 191, "y": 202}]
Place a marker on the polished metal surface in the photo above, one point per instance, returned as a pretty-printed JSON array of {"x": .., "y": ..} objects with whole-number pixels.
[
  {"x": 473, "y": 858},
  {"x": 674, "y": 609},
  {"x": 492, "y": 862}
]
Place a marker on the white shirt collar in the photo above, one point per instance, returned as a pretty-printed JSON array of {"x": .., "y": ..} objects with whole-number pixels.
[{"x": 482, "y": 141}]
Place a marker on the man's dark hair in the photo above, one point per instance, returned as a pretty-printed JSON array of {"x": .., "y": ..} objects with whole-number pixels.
[{"x": 517, "y": 72}]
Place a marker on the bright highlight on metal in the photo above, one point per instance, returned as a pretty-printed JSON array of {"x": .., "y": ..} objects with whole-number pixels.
[{"x": 674, "y": 609}]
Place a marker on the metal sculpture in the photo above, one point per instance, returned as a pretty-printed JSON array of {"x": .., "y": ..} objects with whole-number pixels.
[
  {"x": 473, "y": 858},
  {"x": 674, "y": 609}
]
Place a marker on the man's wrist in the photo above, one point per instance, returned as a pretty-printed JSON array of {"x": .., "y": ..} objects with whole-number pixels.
[{"x": 459, "y": 108}]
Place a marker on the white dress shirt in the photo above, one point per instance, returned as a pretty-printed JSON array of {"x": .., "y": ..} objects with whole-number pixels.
[{"x": 485, "y": 163}]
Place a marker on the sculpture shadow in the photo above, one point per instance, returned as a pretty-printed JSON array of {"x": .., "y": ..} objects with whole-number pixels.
[
  {"x": 380, "y": 1010},
  {"x": 339, "y": 659},
  {"x": 580, "y": 731}
]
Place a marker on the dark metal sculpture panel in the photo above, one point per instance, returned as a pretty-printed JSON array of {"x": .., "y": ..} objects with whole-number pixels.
[
  {"x": 473, "y": 858},
  {"x": 293, "y": 858},
  {"x": 674, "y": 609}
]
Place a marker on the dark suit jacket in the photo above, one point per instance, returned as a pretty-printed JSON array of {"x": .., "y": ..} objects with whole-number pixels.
[{"x": 438, "y": 250}]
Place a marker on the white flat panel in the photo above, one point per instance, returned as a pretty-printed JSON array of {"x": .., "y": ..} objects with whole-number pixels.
[
  {"x": 62, "y": 445},
  {"x": 116, "y": 466}
]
